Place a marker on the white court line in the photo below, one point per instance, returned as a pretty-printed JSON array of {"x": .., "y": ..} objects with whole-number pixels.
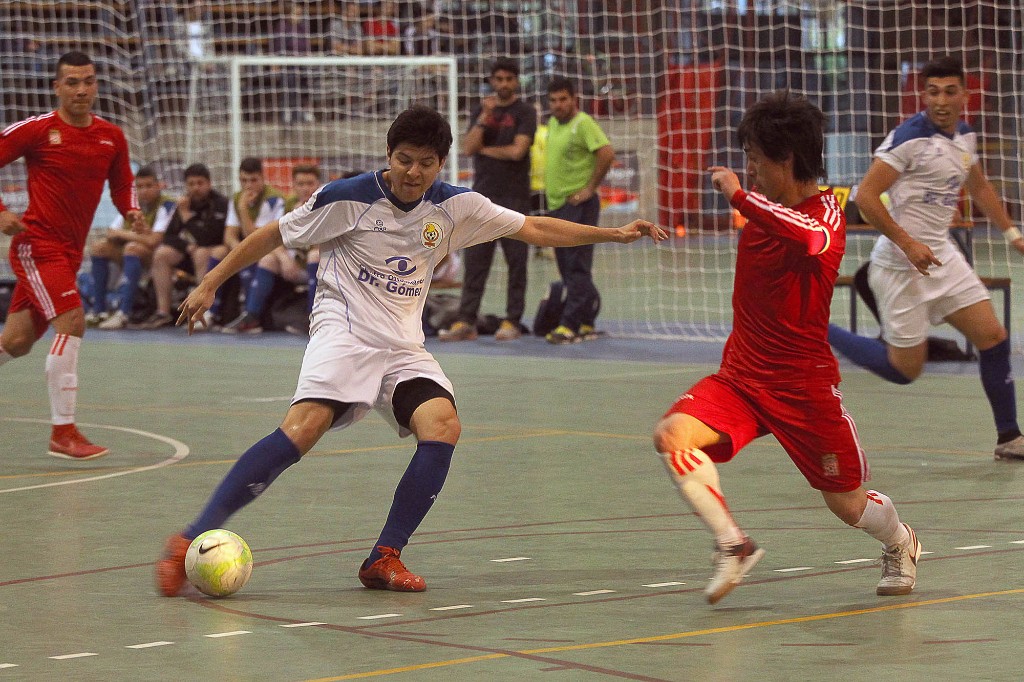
[
  {"x": 514, "y": 558},
  {"x": 228, "y": 634},
  {"x": 854, "y": 561},
  {"x": 381, "y": 615},
  {"x": 1017, "y": 542},
  {"x": 669, "y": 584},
  {"x": 974, "y": 547},
  {"x": 68, "y": 656},
  {"x": 521, "y": 601},
  {"x": 795, "y": 568},
  {"x": 302, "y": 625},
  {"x": 923, "y": 553},
  {"x": 181, "y": 451},
  {"x": 276, "y": 399},
  {"x": 148, "y": 645},
  {"x": 592, "y": 592},
  {"x": 452, "y": 608},
  {"x": 8, "y": 665}
]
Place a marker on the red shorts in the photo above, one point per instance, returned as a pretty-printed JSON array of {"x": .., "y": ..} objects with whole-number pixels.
[
  {"x": 46, "y": 281},
  {"x": 809, "y": 422}
]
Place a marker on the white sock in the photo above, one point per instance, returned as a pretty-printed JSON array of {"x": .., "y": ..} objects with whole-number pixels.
[
  {"x": 62, "y": 378},
  {"x": 4, "y": 355},
  {"x": 881, "y": 521},
  {"x": 697, "y": 479}
]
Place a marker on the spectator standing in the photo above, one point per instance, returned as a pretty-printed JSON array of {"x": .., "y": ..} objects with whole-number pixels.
[
  {"x": 578, "y": 157},
  {"x": 381, "y": 31},
  {"x": 69, "y": 154},
  {"x": 194, "y": 237},
  {"x": 346, "y": 30},
  {"x": 499, "y": 138},
  {"x": 132, "y": 250}
]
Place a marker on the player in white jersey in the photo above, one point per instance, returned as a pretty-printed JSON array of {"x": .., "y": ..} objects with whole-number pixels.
[
  {"x": 380, "y": 235},
  {"x": 918, "y": 276}
]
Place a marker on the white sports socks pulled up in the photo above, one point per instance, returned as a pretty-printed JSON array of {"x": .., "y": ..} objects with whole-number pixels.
[
  {"x": 881, "y": 521},
  {"x": 697, "y": 479},
  {"x": 62, "y": 378}
]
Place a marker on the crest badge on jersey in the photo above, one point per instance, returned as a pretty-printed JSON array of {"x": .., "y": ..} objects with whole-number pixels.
[
  {"x": 431, "y": 235},
  {"x": 55, "y": 136}
]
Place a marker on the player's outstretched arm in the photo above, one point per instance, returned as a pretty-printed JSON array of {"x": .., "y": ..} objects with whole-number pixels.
[
  {"x": 249, "y": 251},
  {"x": 545, "y": 231},
  {"x": 991, "y": 205},
  {"x": 879, "y": 178}
]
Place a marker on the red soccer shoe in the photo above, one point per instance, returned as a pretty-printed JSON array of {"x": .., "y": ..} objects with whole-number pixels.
[
  {"x": 170, "y": 567},
  {"x": 68, "y": 442},
  {"x": 389, "y": 573}
]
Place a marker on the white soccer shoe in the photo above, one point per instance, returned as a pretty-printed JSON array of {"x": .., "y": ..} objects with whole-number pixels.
[
  {"x": 731, "y": 565},
  {"x": 899, "y": 567},
  {"x": 1012, "y": 450}
]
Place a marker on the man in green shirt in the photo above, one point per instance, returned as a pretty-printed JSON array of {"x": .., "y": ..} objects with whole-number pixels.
[{"x": 578, "y": 157}]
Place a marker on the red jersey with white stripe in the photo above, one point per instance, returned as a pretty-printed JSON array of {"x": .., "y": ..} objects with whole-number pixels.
[
  {"x": 67, "y": 167},
  {"x": 786, "y": 270}
]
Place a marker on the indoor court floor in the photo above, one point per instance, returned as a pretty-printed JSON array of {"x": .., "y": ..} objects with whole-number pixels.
[{"x": 558, "y": 549}]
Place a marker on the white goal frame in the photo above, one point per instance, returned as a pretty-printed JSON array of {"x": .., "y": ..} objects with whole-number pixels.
[{"x": 236, "y": 63}]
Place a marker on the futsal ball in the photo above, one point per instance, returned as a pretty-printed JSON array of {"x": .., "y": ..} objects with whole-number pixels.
[{"x": 218, "y": 563}]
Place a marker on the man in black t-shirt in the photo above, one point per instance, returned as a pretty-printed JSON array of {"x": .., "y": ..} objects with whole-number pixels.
[
  {"x": 499, "y": 140},
  {"x": 195, "y": 234}
]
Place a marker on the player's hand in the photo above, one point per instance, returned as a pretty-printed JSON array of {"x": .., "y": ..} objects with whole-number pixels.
[
  {"x": 725, "y": 181},
  {"x": 920, "y": 256},
  {"x": 136, "y": 221},
  {"x": 249, "y": 197},
  {"x": 579, "y": 196},
  {"x": 627, "y": 234},
  {"x": 185, "y": 208},
  {"x": 487, "y": 105},
  {"x": 10, "y": 224},
  {"x": 195, "y": 306}
]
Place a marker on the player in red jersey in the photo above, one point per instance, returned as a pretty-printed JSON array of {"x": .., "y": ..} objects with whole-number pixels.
[
  {"x": 778, "y": 375},
  {"x": 69, "y": 153}
]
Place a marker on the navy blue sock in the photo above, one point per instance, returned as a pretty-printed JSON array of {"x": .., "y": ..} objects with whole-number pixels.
[
  {"x": 415, "y": 494},
  {"x": 260, "y": 287},
  {"x": 996, "y": 377},
  {"x": 100, "y": 277},
  {"x": 871, "y": 354},
  {"x": 250, "y": 476},
  {"x": 311, "y": 269},
  {"x": 130, "y": 282},
  {"x": 218, "y": 298}
]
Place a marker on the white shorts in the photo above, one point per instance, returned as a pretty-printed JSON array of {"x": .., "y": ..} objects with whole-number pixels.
[
  {"x": 339, "y": 367},
  {"x": 910, "y": 303}
]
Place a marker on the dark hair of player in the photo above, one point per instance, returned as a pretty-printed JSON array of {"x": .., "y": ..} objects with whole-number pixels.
[
  {"x": 784, "y": 125},
  {"x": 306, "y": 168},
  {"x": 146, "y": 172},
  {"x": 251, "y": 164},
  {"x": 197, "y": 170},
  {"x": 943, "y": 67},
  {"x": 73, "y": 58},
  {"x": 560, "y": 83},
  {"x": 421, "y": 126}
]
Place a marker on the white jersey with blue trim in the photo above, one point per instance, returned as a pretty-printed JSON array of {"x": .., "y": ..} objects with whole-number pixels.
[
  {"x": 377, "y": 254},
  {"x": 933, "y": 167}
]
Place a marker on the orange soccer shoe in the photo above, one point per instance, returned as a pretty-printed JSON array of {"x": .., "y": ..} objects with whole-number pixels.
[
  {"x": 389, "y": 573},
  {"x": 68, "y": 442},
  {"x": 170, "y": 567}
]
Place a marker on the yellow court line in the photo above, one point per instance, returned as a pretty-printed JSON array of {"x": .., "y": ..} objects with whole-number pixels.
[{"x": 676, "y": 635}]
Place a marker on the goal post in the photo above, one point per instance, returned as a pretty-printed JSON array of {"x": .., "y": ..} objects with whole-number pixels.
[{"x": 307, "y": 108}]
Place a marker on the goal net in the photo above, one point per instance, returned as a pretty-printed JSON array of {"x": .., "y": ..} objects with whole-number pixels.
[{"x": 197, "y": 80}]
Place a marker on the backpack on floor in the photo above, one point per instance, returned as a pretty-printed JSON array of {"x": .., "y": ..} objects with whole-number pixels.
[{"x": 549, "y": 312}]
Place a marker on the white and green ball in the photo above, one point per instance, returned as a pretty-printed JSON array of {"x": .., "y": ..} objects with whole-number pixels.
[{"x": 218, "y": 563}]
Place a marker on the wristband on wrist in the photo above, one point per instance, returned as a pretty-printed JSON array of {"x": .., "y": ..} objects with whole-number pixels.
[{"x": 1012, "y": 235}]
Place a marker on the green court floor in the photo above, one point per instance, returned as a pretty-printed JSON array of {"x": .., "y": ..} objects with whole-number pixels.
[{"x": 557, "y": 551}]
